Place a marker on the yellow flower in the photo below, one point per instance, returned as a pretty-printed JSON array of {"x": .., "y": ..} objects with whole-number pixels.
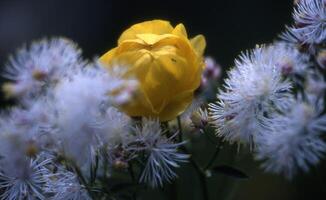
[{"x": 166, "y": 63}]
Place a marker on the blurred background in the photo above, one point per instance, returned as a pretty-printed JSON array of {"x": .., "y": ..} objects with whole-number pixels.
[{"x": 229, "y": 27}]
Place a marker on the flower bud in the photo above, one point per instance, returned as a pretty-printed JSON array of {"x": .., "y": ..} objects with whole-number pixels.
[
  {"x": 199, "y": 118},
  {"x": 39, "y": 75},
  {"x": 119, "y": 164},
  {"x": 14, "y": 89},
  {"x": 31, "y": 149},
  {"x": 166, "y": 63},
  {"x": 212, "y": 70},
  {"x": 286, "y": 66}
]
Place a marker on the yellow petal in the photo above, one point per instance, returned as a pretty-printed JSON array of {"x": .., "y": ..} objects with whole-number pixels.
[
  {"x": 199, "y": 44},
  {"x": 176, "y": 106},
  {"x": 158, "y": 27},
  {"x": 107, "y": 57},
  {"x": 180, "y": 30},
  {"x": 151, "y": 39},
  {"x": 174, "y": 66},
  {"x": 130, "y": 45}
]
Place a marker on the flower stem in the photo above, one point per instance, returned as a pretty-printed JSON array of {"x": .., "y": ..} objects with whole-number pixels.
[
  {"x": 82, "y": 178},
  {"x": 133, "y": 178},
  {"x": 200, "y": 172},
  {"x": 214, "y": 157},
  {"x": 202, "y": 178},
  {"x": 180, "y": 129}
]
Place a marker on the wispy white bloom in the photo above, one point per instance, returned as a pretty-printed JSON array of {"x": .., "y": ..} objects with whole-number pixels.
[
  {"x": 41, "y": 65},
  {"x": 35, "y": 123},
  {"x": 254, "y": 90},
  {"x": 114, "y": 130},
  {"x": 24, "y": 181},
  {"x": 78, "y": 101},
  {"x": 25, "y": 131},
  {"x": 64, "y": 185},
  {"x": 114, "y": 127},
  {"x": 85, "y": 119},
  {"x": 310, "y": 23},
  {"x": 122, "y": 89},
  {"x": 296, "y": 142},
  {"x": 162, "y": 154}
]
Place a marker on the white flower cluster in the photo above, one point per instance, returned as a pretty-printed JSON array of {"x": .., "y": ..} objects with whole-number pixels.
[
  {"x": 295, "y": 142},
  {"x": 272, "y": 100},
  {"x": 162, "y": 154},
  {"x": 66, "y": 129},
  {"x": 254, "y": 91}
]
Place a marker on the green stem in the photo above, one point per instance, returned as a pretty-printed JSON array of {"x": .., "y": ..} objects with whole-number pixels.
[
  {"x": 133, "y": 178},
  {"x": 166, "y": 129},
  {"x": 82, "y": 178},
  {"x": 214, "y": 157},
  {"x": 200, "y": 172},
  {"x": 79, "y": 174},
  {"x": 210, "y": 139},
  {"x": 137, "y": 121},
  {"x": 202, "y": 178},
  {"x": 180, "y": 129},
  {"x": 94, "y": 169},
  {"x": 203, "y": 184}
]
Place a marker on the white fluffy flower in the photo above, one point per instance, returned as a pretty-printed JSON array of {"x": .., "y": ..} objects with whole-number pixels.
[
  {"x": 64, "y": 185},
  {"x": 41, "y": 65},
  {"x": 85, "y": 118},
  {"x": 162, "y": 154},
  {"x": 78, "y": 102},
  {"x": 114, "y": 130},
  {"x": 295, "y": 143},
  {"x": 254, "y": 90},
  {"x": 26, "y": 131},
  {"x": 114, "y": 127},
  {"x": 310, "y": 23},
  {"x": 26, "y": 181}
]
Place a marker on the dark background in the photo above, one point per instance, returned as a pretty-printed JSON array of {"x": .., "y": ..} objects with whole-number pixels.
[{"x": 230, "y": 27}]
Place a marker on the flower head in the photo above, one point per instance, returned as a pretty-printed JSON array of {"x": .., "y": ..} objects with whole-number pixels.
[
  {"x": 41, "y": 66},
  {"x": 254, "y": 90},
  {"x": 85, "y": 118},
  {"x": 166, "y": 63},
  {"x": 295, "y": 143},
  {"x": 27, "y": 182},
  {"x": 162, "y": 154},
  {"x": 64, "y": 185},
  {"x": 310, "y": 23}
]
